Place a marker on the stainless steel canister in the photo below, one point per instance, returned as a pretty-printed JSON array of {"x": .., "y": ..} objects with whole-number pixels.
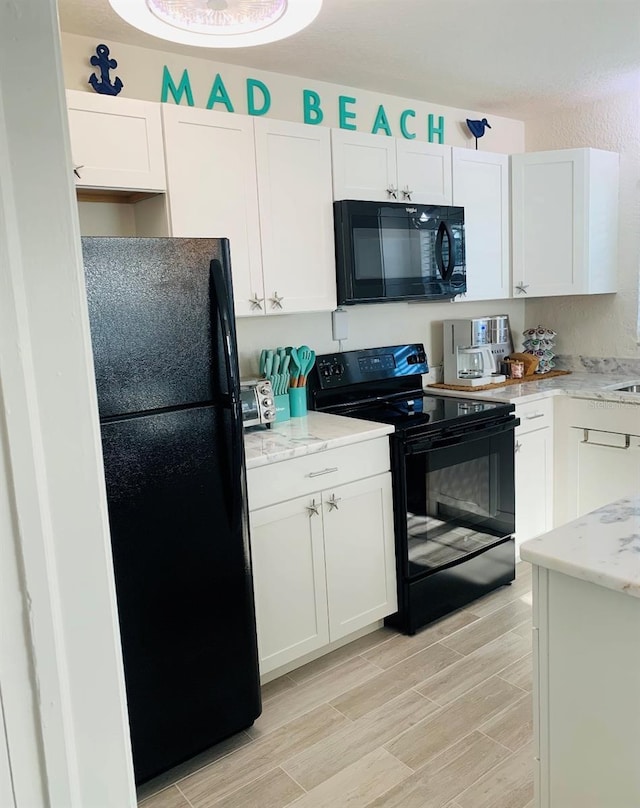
[{"x": 499, "y": 330}]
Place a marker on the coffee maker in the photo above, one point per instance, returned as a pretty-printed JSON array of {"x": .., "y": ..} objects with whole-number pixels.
[{"x": 469, "y": 357}]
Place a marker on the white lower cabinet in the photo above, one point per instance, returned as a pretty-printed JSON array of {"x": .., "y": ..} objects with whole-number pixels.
[
  {"x": 603, "y": 467},
  {"x": 289, "y": 582},
  {"x": 597, "y": 454},
  {"x": 360, "y": 554},
  {"x": 534, "y": 470},
  {"x": 323, "y": 563}
]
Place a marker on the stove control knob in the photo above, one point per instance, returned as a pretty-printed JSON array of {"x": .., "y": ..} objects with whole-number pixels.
[
  {"x": 267, "y": 402},
  {"x": 269, "y": 415}
]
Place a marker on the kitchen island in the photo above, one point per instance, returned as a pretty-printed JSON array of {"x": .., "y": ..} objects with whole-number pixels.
[{"x": 586, "y": 641}]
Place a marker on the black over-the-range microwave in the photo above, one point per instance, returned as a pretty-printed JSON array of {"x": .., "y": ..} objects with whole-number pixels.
[{"x": 398, "y": 251}]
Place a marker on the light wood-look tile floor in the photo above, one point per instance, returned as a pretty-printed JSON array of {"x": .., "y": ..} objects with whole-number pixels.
[{"x": 438, "y": 720}]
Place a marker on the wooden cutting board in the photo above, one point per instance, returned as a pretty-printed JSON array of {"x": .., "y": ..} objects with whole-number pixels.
[{"x": 466, "y": 388}]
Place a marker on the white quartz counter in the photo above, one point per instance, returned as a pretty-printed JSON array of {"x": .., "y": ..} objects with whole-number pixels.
[
  {"x": 576, "y": 385},
  {"x": 602, "y": 547},
  {"x": 314, "y": 432}
]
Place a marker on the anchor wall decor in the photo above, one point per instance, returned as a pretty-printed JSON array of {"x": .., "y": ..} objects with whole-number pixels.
[{"x": 103, "y": 85}]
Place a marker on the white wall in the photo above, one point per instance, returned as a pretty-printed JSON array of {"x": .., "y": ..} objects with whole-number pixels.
[{"x": 599, "y": 325}]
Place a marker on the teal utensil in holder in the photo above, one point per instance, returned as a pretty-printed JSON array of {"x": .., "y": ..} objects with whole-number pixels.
[
  {"x": 283, "y": 410},
  {"x": 298, "y": 401}
]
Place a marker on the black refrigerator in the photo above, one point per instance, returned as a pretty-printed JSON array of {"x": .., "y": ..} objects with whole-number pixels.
[{"x": 164, "y": 347}]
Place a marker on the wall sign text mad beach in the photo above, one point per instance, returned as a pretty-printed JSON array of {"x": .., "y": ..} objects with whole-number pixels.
[{"x": 258, "y": 101}]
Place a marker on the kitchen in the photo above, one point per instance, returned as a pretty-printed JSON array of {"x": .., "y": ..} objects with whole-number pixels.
[{"x": 589, "y": 326}]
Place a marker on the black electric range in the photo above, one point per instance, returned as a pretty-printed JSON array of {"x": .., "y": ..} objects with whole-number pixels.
[{"x": 453, "y": 477}]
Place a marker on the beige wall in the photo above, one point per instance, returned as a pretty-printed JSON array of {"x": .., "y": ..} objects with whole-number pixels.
[
  {"x": 141, "y": 71},
  {"x": 599, "y": 325},
  {"x": 369, "y": 326}
]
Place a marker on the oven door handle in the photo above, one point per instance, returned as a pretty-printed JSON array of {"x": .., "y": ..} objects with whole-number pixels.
[{"x": 444, "y": 440}]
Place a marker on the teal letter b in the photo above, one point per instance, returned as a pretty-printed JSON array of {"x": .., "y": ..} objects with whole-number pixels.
[{"x": 313, "y": 113}]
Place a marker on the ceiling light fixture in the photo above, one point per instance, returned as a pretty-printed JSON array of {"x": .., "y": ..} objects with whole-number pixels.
[{"x": 218, "y": 23}]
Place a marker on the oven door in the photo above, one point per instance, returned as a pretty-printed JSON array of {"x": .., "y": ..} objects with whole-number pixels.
[{"x": 455, "y": 497}]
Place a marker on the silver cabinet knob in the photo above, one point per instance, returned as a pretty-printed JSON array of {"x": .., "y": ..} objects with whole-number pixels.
[
  {"x": 276, "y": 301},
  {"x": 313, "y": 509},
  {"x": 406, "y": 193},
  {"x": 332, "y": 502},
  {"x": 392, "y": 192},
  {"x": 76, "y": 171},
  {"x": 521, "y": 288},
  {"x": 256, "y": 302},
  {"x": 517, "y": 446}
]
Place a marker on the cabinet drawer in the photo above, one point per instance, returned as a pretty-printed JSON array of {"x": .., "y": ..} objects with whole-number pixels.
[
  {"x": 277, "y": 482},
  {"x": 534, "y": 415}
]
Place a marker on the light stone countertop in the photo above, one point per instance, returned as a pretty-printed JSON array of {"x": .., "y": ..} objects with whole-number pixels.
[
  {"x": 577, "y": 385},
  {"x": 315, "y": 432},
  {"x": 602, "y": 547}
]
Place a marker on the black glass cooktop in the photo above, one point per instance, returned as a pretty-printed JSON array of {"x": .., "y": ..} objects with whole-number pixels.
[{"x": 425, "y": 413}]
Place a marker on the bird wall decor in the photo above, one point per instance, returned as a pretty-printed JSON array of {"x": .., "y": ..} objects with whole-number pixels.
[{"x": 477, "y": 128}]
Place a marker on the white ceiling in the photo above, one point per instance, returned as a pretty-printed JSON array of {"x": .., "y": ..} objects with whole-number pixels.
[{"x": 518, "y": 58}]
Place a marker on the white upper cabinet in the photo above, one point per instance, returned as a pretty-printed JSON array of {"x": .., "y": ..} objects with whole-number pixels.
[
  {"x": 481, "y": 186},
  {"x": 296, "y": 216},
  {"x": 378, "y": 168},
  {"x": 364, "y": 166},
  {"x": 266, "y": 186},
  {"x": 424, "y": 172},
  {"x": 116, "y": 143},
  {"x": 212, "y": 190},
  {"x": 565, "y": 222}
]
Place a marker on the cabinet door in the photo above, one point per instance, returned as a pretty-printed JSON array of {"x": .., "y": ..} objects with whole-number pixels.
[
  {"x": 424, "y": 172},
  {"x": 211, "y": 175},
  {"x": 360, "y": 554},
  {"x": 116, "y": 143},
  {"x": 296, "y": 216},
  {"x": 565, "y": 222},
  {"x": 534, "y": 484},
  {"x": 481, "y": 187},
  {"x": 364, "y": 166},
  {"x": 603, "y": 467},
  {"x": 548, "y": 199},
  {"x": 289, "y": 581}
]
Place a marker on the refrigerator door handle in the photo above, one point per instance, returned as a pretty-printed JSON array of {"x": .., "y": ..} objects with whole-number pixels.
[{"x": 220, "y": 302}]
